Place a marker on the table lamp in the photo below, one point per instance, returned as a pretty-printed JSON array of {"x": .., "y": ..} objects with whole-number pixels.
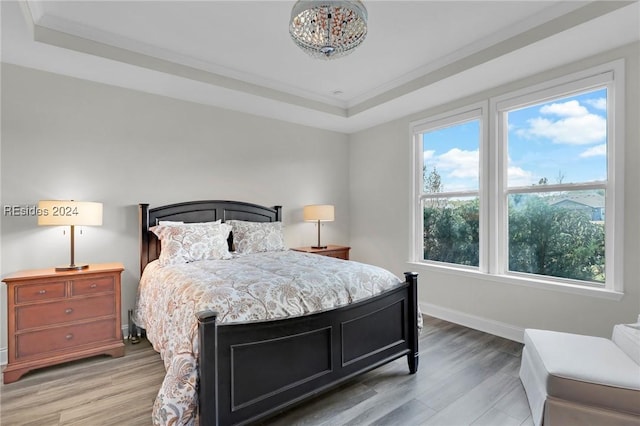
[
  {"x": 318, "y": 213},
  {"x": 70, "y": 213}
]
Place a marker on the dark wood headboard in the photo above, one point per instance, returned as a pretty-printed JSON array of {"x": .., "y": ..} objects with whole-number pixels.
[{"x": 196, "y": 211}]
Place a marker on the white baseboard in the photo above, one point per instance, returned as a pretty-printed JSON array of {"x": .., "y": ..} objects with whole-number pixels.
[
  {"x": 4, "y": 353},
  {"x": 497, "y": 328}
]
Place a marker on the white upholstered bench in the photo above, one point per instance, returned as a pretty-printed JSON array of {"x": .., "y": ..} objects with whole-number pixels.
[{"x": 572, "y": 379}]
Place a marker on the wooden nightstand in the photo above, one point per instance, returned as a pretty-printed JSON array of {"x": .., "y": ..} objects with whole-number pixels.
[
  {"x": 340, "y": 252},
  {"x": 56, "y": 317}
]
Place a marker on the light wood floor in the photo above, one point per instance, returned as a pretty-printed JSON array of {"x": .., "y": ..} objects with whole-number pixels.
[{"x": 465, "y": 377}]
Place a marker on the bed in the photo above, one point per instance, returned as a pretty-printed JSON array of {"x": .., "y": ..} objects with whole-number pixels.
[{"x": 249, "y": 370}]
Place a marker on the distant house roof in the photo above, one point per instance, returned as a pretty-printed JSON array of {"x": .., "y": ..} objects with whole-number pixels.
[{"x": 589, "y": 200}]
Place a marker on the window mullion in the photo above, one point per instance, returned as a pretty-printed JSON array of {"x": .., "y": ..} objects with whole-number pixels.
[
  {"x": 486, "y": 177},
  {"x": 556, "y": 188},
  {"x": 500, "y": 215},
  {"x": 453, "y": 194}
]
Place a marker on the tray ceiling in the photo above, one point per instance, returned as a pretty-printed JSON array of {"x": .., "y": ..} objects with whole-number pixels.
[{"x": 238, "y": 55}]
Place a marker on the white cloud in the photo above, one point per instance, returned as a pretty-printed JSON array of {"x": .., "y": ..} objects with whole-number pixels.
[
  {"x": 519, "y": 177},
  {"x": 575, "y": 125},
  {"x": 566, "y": 109},
  {"x": 457, "y": 163},
  {"x": 428, "y": 155},
  {"x": 595, "y": 151},
  {"x": 600, "y": 103}
]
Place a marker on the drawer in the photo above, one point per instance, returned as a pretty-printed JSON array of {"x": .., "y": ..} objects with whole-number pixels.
[
  {"x": 92, "y": 285},
  {"x": 65, "y": 337},
  {"x": 339, "y": 254},
  {"x": 43, "y": 314},
  {"x": 43, "y": 291}
]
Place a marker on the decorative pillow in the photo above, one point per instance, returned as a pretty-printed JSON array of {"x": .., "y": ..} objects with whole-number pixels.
[
  {"x": 183, "y": 243},
  {"x": 256, "y": 237}
]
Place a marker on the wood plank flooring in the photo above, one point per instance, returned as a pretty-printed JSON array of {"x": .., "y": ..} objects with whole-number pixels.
[{"x": 465, "y": 377}]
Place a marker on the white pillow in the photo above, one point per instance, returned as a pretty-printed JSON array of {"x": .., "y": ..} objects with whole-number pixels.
[
  {"x": 183, "y": 243},
  {"x": 256, "y": 237}
]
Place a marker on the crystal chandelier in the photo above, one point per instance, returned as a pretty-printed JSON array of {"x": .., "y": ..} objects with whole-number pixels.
[{"x": 328, "y": 29}]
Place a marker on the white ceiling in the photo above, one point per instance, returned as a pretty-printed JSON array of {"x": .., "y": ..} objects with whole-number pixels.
[{"x": 238, "y": 55}]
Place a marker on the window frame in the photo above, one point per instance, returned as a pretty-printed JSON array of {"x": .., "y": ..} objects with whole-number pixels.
[
  {"x": 493, "y": 189},
  {"x": 477, "y": 111}
]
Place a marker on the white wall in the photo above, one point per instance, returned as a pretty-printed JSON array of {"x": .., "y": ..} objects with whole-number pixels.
[
  {"x": 68, "y": 138},
  {"x": 380, "y": 179},
  {"x": 64, "y": 138}
]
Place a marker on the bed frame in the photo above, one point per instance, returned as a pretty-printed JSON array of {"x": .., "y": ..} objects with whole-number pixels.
[{"x": 249, "y": 371}]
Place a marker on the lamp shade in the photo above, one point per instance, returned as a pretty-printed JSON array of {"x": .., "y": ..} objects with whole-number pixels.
[
  {"x": 60, "y": 213},
  {"x": 318, "y": 212}
]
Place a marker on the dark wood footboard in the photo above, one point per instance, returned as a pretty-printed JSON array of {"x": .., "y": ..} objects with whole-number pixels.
[{"x": 254, "y": 370}]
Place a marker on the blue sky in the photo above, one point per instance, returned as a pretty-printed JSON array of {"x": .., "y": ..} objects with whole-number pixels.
[{"x": 562, "y": 139}]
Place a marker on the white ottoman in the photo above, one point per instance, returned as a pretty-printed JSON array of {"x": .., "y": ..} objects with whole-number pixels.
[
  {"x": 572, "y": 379},
  {"x": 627, "y": 338}
]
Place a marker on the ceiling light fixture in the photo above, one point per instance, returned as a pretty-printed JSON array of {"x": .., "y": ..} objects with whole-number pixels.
[{"x": 328, "y": 29}]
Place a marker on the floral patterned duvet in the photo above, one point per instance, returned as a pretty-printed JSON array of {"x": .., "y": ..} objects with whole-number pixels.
[{"x": 254, "y": 287}]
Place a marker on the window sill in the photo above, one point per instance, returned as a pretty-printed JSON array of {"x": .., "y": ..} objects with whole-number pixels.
[{"x": 524, "y": 282}]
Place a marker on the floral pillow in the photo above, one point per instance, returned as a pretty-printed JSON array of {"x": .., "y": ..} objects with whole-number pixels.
[
  {"x": 256, "y": 237},
  {"x": 188, "y": 242}
]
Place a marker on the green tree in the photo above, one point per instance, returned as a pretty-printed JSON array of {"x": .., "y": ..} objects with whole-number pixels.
[
  {"x": 550, "y": 240},
  {"x": 432, "y": 181},
  {"x": 543, "y": 239},
  {"x": 433, "y": 185},
  {"x": 451, "y": 233}
]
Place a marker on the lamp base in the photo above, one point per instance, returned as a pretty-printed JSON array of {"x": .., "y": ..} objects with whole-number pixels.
[
  {"x": 318, "y": 247},
  {"x": 72, "y": 267}
]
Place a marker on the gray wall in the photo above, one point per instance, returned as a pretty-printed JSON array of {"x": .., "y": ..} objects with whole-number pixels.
[
  {"x": 380, "y": 179},
  {"x": 64, "y": 138}
]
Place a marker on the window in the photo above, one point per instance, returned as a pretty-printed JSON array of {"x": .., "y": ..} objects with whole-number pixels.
[
  {"x": 557, "y": 186},
  {"x": 450, "y": 183},
  {"x": 531, "y": 191}
]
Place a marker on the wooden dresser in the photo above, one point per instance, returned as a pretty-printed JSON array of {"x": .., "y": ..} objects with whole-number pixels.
[
  {"x": 340, "y": 252},
  {"x": 54, "y": 317}
]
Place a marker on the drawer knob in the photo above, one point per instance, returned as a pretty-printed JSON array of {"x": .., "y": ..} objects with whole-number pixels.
[
  {"x": 94, "y": 285},
  {"x": 69, "y": 336},
  {"x": 42, "y": 292},
  {"x": 68, "y": 310}
]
